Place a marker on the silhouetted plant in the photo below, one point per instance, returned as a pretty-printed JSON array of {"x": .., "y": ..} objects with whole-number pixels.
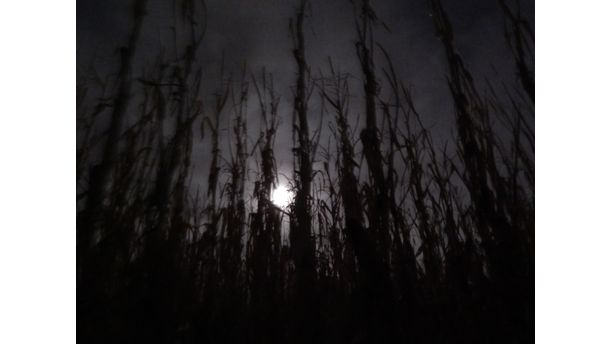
[{"x": 421, "y": 243}]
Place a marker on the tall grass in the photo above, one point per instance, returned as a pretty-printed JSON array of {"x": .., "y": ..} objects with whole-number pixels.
[{"x": 391, "y": 237}]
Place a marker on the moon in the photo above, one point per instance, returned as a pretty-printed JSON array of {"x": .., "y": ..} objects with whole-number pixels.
[{"x": 281, "y": 196}]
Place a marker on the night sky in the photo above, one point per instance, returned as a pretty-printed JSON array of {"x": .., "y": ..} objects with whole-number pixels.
[{"x": 257, "y": 33}]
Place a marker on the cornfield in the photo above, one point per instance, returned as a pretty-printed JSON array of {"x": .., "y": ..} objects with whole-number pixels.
[{"x": 388, "y": 236}]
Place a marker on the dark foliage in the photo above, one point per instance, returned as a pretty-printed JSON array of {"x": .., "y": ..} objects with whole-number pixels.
[{"x": 412, "y": 244}]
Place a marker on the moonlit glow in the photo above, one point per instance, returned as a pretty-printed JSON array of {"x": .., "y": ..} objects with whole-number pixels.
[{"x": 281, "y": 196}]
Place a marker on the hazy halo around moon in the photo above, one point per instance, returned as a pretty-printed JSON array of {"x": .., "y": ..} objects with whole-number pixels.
[{"x": 281, "y": 196}]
